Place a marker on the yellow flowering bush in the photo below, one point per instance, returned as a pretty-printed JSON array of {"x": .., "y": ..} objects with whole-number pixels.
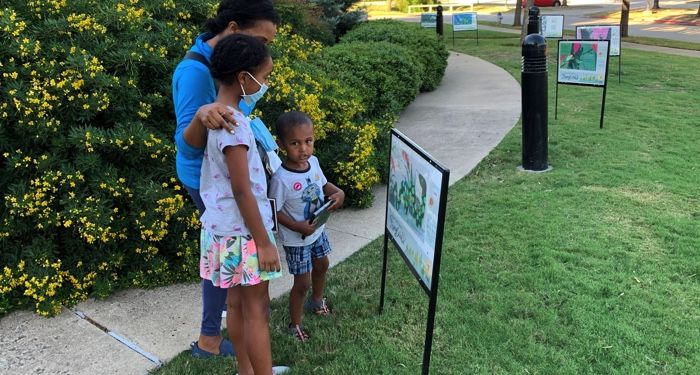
[
  {"x": 88, "y": 197},
  {"x": 344, "y": 134},
  {"x": 89, "y": 202}
]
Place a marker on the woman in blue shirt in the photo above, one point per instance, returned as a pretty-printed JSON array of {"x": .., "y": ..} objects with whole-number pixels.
[{"x": 194, "y": 93}]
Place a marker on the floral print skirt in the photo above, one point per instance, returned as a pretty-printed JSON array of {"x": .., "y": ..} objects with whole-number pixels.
[{"x": 229, "y": 261}]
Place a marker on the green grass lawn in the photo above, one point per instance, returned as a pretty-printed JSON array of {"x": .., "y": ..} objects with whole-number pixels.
[{"x": 591, "y": 268}]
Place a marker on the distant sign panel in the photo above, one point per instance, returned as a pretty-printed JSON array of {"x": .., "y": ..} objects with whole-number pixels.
[
  {"x": 582, "y": 62},
  {"x": 552, "y": 26},
  {"x": 428, "y": 19},
  {"x": 464, "y": 21},
  {"x": 601, "y": 32}
]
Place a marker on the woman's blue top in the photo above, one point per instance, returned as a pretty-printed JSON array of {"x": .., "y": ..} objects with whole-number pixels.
[{"x": 193, "y": 87}]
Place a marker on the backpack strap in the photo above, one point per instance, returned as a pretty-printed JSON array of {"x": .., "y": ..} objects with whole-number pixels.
[{"x": 197, "y": 57}]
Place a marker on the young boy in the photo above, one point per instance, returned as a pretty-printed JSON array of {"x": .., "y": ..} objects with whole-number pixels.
[{"x": 299, "y": 188}]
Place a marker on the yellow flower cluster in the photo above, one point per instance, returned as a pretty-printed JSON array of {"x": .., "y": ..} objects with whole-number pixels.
[
  {"x": 169, "y": 4},
  {"x": 358, "y": 172},
  {"x": 47, "y": 91},
  {"x": 131, "y": 14},
  {"x": 48, "y": 6},
  {"x": 165, "y": 210},
  {"x": 10, "y": 24},
  {"x": 83, "y": 22},
  {"x": 50, "y": 292}
]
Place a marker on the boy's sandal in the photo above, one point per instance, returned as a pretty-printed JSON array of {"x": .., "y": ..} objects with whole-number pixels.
[
  {"x": 298, "y": 332},
  {"x": 317, "y": 308},
  {"x": 225, "y": 350}
]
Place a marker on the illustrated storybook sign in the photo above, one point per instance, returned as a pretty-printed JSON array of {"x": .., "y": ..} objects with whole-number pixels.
[
  {"x": 416, "y": 188},
  {"x": 601, "y": 32},
  {"x": 552, "y": 26},
  {"x": 428, "y": 19},
  {"x": 582, "y": 62},
  {"x": 464, "y": 21}
]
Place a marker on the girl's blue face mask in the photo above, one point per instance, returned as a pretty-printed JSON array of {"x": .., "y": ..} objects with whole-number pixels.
[{"x": 251, "y": 99}]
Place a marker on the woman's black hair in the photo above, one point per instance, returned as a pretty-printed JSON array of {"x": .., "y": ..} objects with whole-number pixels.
[
  {"x": 288, "y": 120},
  {"x": 244, "y": 12},
  {"x": 236, "y": 53}
]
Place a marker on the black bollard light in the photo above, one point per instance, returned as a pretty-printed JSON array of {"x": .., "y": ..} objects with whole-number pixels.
[
  {"x": 438, "y": 26},
  {"x": 534, "y": 15},
  {"x": 534, "y": 96}
]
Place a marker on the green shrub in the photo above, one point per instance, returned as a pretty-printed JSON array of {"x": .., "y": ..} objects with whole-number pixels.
[
  {"x": 89, "y": 202},
  {"x": 344, "y": 134},
  {"x": 89, "y": 198},
  {"x": 386, "y": 75},
  {"x": 306, "y": 20},
  {"x": 338, "y": 14},
  {"x": 387, "y": 78},
  {"x": 427, "y": 48}
]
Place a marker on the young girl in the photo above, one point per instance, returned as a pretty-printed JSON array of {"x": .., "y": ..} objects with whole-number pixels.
[
  {"x": 299, "y": 187},
  {"x": 194, "y": 93},
  {"x": 238, "y": 250}
]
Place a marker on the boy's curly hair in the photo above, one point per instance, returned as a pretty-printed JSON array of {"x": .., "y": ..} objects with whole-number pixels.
[
  {"x": 236, "y": 53},
  {"x": 289, "y": 120}
]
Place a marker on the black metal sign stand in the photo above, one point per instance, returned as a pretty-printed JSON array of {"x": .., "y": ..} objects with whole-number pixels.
[
  {"x": 453, "y": 36},
  {"x": 605, "y": 84},
  {"x": 431, "y": 290}
]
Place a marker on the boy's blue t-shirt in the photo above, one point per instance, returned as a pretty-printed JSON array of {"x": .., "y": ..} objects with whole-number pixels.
[{"x": 193, "y": 87}]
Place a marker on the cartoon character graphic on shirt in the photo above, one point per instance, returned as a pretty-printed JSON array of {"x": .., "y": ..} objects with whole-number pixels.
[{"x": 312, "y": 197}]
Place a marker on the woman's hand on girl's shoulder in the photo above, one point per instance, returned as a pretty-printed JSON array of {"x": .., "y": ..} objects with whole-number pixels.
[{"x": 216, "y": 116}]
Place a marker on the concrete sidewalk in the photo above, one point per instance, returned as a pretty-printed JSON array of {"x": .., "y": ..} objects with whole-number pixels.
[{"x": 459, "y": 124}]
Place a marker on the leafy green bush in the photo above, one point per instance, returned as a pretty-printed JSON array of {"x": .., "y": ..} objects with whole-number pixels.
[
  {"x": 306, "y": 20},
  {"x": 344, "y": 134},
  {"x": 429, "y": 50},
  {"x": 89, "y": 198},
  {"x": 387, "y": 77},
  {"x": 89, "y": 201},
  {"x": 338, "y": 14}
]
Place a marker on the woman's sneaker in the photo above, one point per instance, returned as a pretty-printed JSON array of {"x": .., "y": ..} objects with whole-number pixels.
[
  {"x": 298, "y": 332},
  {"x": 318, "y": 308}
]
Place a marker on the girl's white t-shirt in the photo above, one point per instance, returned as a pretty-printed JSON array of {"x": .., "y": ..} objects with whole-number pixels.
[{"x": 222, "y": 216}]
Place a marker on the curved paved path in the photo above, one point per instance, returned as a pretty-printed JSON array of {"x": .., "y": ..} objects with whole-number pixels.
[{"x": 459, "y": 123}]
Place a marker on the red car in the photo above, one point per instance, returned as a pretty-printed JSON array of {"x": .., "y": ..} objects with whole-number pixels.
[{"x": 544, "y": 3}]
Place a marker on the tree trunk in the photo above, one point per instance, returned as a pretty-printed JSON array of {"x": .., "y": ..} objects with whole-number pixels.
[
  {"x": 625, "y": 18},
  {"x": 518, "y": 12},
  {"x": 656, "y": 5},
  {"x": 388, "y": 5}
]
